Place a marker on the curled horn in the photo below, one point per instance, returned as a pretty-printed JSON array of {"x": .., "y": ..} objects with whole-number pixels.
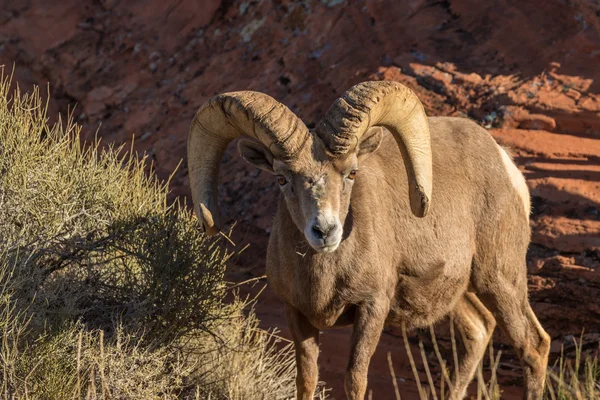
[
  {"x": 395, "y": 107},
  {"x": 224, "y": 118}
]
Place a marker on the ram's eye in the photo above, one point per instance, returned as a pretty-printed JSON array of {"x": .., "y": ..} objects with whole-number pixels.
[
  {"x": 352, "y": 175},
  {"x": 281, "y": 180}
]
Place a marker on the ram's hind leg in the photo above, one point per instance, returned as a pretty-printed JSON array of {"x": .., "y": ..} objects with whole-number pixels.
[
  {"x": 475, "y": 325},
  {"x": 508, "y": 302}
]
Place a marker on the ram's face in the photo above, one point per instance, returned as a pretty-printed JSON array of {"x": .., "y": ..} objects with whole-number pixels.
[
  {"x": 316, "y": 186},
  {"x": 317, "y": 194}
]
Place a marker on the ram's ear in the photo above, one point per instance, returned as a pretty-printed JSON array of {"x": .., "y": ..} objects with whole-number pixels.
[
  {"x": 256, "y": 153},
  {"x": 370, "y": 141}
]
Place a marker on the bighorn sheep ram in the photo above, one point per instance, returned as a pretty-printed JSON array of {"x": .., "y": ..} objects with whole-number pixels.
[{"x": 446, "y": 237}]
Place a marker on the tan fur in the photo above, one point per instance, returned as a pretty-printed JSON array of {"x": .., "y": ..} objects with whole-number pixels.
[{"x": 394, "y": 268}]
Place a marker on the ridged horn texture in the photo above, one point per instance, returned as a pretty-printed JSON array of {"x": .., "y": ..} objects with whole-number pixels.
[
  {"x": 224, "y": 118},
  {"x": 395, "y": 107}
]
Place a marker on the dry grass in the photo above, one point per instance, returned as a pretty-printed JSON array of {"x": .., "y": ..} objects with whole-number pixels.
[
  {"x": 576, "y": 377},
  {"x": 442, "y": 387},
  {"x": 573, "y": 377},
  {"x": 106, "y": 290}
]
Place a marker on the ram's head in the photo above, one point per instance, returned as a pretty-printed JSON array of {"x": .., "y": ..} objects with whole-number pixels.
[{"x": 315, "y": 170}]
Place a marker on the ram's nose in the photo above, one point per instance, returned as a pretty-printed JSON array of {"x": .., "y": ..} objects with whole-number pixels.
[
  {"x": 322, "y": 230},
  {"x": 324, "y": 234}
]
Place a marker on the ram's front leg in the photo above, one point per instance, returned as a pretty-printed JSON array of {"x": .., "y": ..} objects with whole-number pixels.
[
  {"x": 306, "y": 344},
  {"x": 370, "y": 319}
]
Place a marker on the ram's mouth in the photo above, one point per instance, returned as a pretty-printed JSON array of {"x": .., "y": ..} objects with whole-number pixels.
[{"x": 326, "y": 248}]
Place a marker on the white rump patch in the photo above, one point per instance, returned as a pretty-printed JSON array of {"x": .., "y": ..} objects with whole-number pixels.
[{"x": 517, "y": 179}]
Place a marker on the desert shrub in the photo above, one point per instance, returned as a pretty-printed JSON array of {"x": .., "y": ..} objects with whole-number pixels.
[
  {"x": 106, "y": 289},
  {"x": 92, "y": 232}
]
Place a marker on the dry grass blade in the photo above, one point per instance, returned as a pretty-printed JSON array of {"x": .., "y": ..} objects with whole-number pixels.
[
  {"x": 393, "y": 375},
  {"x": 427, "y": 371},
  {"x": 413, "y": 366},
  {"x": 454, "y": 351},
  {"x": 445, "y": 373}
]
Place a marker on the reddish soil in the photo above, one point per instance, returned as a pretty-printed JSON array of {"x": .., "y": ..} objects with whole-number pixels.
[{"x": 527, "y": 70}]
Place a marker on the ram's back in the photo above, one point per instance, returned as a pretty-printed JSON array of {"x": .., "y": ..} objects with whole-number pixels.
[{"x": 474, "y": 179}]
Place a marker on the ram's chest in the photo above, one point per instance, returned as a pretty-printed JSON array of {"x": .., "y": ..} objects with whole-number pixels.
[{"x": 324, "y": 297}]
